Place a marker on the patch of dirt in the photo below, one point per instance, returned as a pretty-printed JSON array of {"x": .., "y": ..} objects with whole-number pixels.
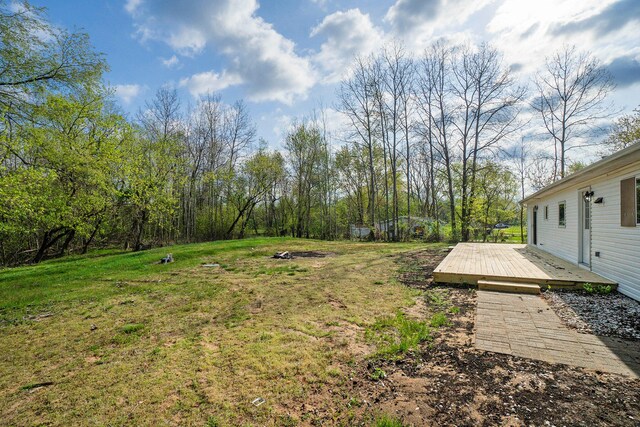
[
  {"x": 448, "y": 382},
  {"x": 311, "y": 254},
  {"x": 351, "y": 336},
  {"x": 416, "y": 268},
  {"x": 611, "y": 315}
]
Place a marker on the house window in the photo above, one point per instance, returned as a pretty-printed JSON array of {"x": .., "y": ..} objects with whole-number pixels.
[
  {"x": 637, "y": 200},
  {"x": 546, "y": 212},
  {"x": 629, "y": 202},
  {"x": 562, "y": 212}
]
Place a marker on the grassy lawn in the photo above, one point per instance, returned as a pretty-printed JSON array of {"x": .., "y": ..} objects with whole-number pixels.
[{"x": 115, "y": 338}]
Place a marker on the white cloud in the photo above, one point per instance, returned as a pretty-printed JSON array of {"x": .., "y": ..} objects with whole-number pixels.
[
  {"x": 529, "y": 32},
  {"x": 209, "y": 82},
  {"x": 422, "y": 18},
  {"x": 127, "y": 93},
  {"x": 347, "y": 34},
  {"x": 172, "y": 62},
  {"x": 265, "y": 61},
  {"x": 132, "y": 5}
]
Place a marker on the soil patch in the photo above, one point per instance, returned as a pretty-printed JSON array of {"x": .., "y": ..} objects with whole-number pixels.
[
  {"x": 416, "y": 268},
  {"x": 311, "y": 254}
]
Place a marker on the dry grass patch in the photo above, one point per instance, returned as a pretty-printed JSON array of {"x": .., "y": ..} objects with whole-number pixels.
[{"x": 131, "y": 342}]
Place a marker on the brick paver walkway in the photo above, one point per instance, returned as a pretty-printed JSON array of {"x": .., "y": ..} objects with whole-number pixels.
[{"x": 525, "y": 326}]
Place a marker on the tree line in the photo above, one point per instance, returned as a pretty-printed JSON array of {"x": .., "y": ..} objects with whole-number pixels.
[{"x": 434, "y": 141}]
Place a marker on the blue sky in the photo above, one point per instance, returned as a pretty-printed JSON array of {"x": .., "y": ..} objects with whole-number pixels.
[{"x": 286, "y": 57}]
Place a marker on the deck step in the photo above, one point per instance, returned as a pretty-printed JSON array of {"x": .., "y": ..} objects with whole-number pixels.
[{"x": 502, "y": 286}]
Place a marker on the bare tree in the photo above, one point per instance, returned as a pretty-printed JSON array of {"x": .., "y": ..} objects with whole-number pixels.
[
  {"x": 572, "y": 88},
  {"x": 397, "y": 87},
  {"x": 488, "y": 109},
  {"x": 433, "y": 94},
  {"x": 357, "y": 103}
]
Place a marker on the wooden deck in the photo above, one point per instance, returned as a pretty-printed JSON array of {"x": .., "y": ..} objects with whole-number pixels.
[{"x": 470, "y": 262}]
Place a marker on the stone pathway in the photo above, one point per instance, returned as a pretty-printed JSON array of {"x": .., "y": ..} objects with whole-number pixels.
[{"x": 525, "y": 326}]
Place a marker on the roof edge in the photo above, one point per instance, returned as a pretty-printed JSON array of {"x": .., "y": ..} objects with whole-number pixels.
[{"x": 569, "y": 180}]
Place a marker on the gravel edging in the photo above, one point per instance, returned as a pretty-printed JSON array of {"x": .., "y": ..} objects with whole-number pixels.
[{"x": 611, "y": 315}]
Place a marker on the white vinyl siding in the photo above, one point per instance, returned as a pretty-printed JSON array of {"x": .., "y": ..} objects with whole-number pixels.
[
  {"x": 553, "y": 238},
  {"x": 618, "y": 247}
]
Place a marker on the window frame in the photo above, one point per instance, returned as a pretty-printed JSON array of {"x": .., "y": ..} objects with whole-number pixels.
[
  {"x": 637, "y": 204},
  {"x": 562, "y": 219},
  {"x": 546, "y": 212}
]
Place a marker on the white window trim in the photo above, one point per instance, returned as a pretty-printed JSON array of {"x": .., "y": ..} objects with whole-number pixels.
[
  {"x": 564, "y": 202},
  {"x": 636, "y": 204}
]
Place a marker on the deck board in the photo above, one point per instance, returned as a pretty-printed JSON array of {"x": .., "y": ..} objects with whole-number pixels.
[{"x": 470, "y": 262}]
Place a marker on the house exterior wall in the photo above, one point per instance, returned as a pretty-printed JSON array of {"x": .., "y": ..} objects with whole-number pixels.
[
  {"x": 618, "y": 247},
  {"x": 559, "y": 241}
]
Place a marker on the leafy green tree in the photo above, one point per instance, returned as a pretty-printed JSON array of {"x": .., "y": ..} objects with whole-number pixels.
[
  {"x": 37, "y": 58},
  {"x": 625, "y": 132},
  {"x": 64, "y": 183},
  {"x": 259, "y": 174},
  {"x": 496, "y": 201}
]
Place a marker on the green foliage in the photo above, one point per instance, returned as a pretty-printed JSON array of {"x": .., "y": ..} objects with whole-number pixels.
[
  {"x": 378, "y": 374},
  {"x": 212, "y": 422},
  {"x": 38, "y": 58},
  {"x": 394, "y": 336},
  {"x": 597, "y": 289},
  {"x": 438, "y": 320},
  {"x": 131, "y": 328},
  {"x": 387, "y": 421},
  {"x": 625, "y": 132}
]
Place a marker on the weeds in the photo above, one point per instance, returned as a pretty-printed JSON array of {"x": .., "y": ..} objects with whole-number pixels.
[
  {"x": 378, "y": 374},
  {"x": 394, "y": 336},
  {"x": 438, "y": 320},
  {"x": 387, "y": 421},
  {"x": 597, "y": 289}
]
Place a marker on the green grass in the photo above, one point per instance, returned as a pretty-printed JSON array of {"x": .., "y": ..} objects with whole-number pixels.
[
  {"x": 387, "y": 421},
  {"x": 131, "y": 328},
  {"x": 438, "y": 320},
  {"x": 114, "y": 338},
  {"x": 509, "y": 235},
  {"x": 396, "y": 335}
]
